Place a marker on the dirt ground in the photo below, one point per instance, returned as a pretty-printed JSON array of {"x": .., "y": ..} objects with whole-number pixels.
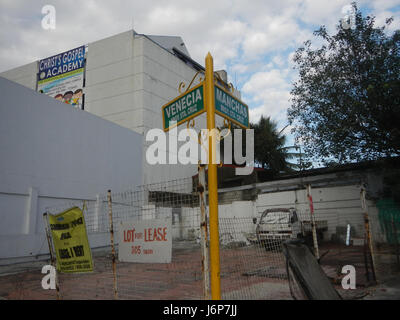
[{"x": 247, "y": 272}]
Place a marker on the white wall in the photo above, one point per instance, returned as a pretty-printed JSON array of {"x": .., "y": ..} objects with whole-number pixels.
[
  {"x": 52, "y": 153},
  {"x": 112, "y": 88},
  {"x": 236, "y": 221},
  {"x": 24, "y": 75},
  {"x": 338, "y": 205}
]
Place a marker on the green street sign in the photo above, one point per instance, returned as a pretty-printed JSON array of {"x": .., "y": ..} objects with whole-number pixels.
[
  {"x": 184, "y": 107},
  {"x": 231, "y": 108}
]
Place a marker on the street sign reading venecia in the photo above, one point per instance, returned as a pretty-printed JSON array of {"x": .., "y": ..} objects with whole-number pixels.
[{"x": 184, "y": 107}]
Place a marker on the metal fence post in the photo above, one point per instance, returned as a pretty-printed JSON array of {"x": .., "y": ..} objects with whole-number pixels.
[
  {"x": 52, "y": 253},
  {"x": 313, "y": 226},
  {"x": 204, "y": 233},
  {"x": 114, "y": 267},
  {"x": 368, "y": 237}
]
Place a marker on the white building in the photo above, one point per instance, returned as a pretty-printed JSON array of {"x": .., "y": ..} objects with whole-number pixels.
[{"x": 128, "y": 78}]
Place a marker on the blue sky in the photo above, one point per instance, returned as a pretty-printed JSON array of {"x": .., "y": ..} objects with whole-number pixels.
[{"x": 253, "y": 40}]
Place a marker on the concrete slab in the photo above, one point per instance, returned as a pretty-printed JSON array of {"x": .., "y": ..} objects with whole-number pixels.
[{"x": 389, "y": 290}]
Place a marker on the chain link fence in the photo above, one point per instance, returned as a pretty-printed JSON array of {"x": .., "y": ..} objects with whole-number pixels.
[
  {"x": 251, "y": 235},
  {"x": 244, "y": 263}
]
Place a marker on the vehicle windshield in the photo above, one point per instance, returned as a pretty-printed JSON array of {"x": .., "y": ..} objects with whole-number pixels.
[{"x": 276, "y": 217}]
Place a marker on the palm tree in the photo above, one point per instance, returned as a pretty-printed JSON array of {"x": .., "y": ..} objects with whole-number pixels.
[{"x": 270, "y": 151}]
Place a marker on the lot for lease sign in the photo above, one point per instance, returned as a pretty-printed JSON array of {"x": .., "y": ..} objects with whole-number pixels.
[{"x": 145, "y": 241}]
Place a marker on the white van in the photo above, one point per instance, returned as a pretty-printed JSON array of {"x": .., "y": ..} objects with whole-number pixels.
[{"x": 279, "y": 224}]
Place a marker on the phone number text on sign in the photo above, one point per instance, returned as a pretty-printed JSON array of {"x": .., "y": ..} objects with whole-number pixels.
[{"x": 146, "y": 241}]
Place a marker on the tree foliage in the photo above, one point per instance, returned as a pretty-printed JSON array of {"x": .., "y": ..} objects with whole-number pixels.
[
  {"x": 345, "y": 104},
  {"x": 269, "y": 147}
]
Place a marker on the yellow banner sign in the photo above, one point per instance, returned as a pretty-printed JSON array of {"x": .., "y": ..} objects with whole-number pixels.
[{"x": 70, "y": 240}]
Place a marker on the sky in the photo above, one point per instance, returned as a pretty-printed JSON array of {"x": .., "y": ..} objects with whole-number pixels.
[{"x": 253, "y": 40}]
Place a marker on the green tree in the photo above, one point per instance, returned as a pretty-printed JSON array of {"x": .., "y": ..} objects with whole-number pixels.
[
  {"x": 345, "y": 104},
  {"x": 270, "y": 151}
]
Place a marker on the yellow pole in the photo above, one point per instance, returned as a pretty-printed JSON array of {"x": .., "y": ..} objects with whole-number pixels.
[{"x": 212, "y": 180}]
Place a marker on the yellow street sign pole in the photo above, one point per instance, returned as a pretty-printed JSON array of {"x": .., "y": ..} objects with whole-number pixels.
[{"x": 212, "y": 180}]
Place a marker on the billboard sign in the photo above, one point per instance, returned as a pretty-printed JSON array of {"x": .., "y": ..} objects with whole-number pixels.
[
  {"x": 145, "y": 241},
  {"x": 61, "y": 76}
]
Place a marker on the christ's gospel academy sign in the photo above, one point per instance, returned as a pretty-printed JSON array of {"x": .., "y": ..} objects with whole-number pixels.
[
  {"x": 146, "y": 241},
  {"x": 61, "y": 76}
]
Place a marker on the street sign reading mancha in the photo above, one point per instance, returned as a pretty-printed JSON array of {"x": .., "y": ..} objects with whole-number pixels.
[
  {"x": 231, "y": 108},
  {"x": 184, "y": 107}
]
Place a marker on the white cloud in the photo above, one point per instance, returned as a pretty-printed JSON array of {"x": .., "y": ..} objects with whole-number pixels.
[
  {"x": 227, "y": 30},
  {"x": 169, "y": 16},
  {"x": 270, "y": 90},
  {"x": 384, "y": 4},
  {"x": 230, "y": 29},
  {"x": 381, "y": 16},
  {"x": 253, "y": 40},
  {"x": 271, "y": 34},
  {"x": 241, "y": 68},
  {"x": 322, "y": 12},
  {"x": 279, "y": 61}
]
